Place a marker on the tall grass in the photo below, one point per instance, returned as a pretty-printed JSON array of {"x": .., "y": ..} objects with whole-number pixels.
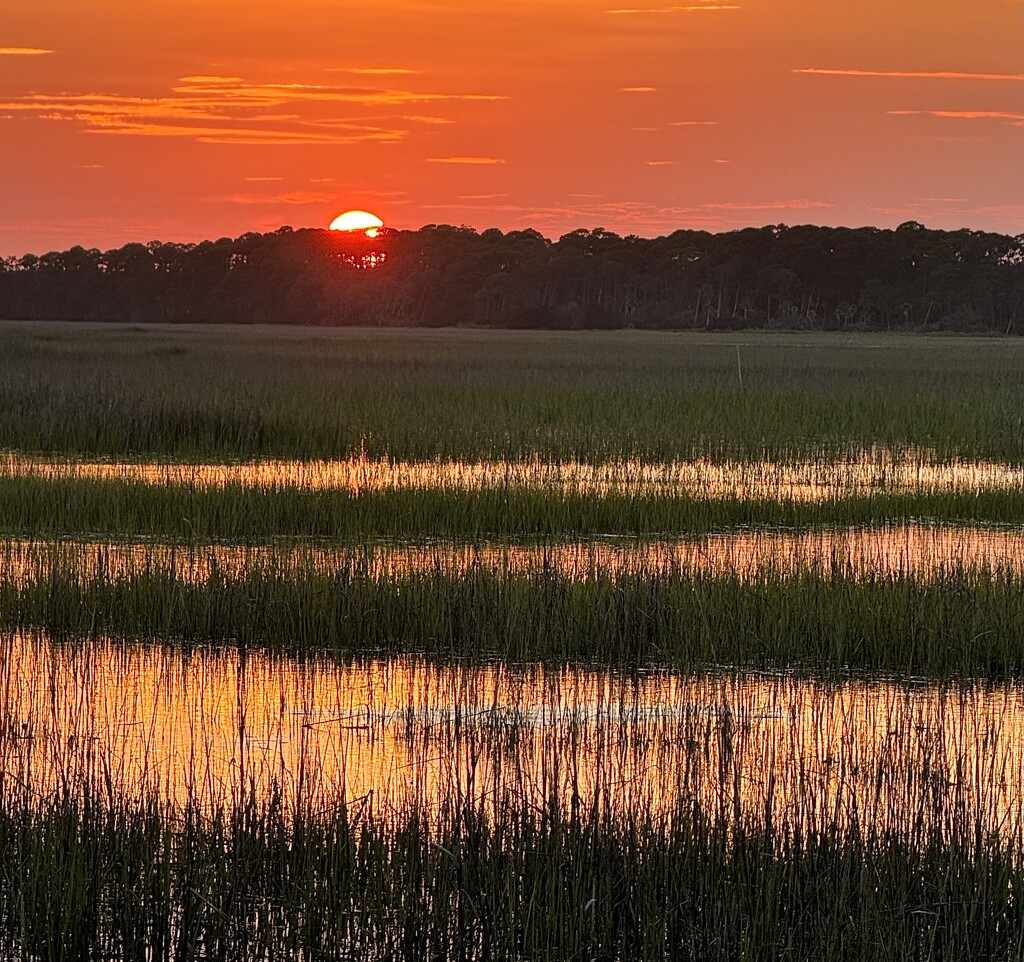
[
  {"x": 88, "y": 879},
  {"x": 196, "y": 393},
  {"x": 776, "y": 838},
  {"x": 34, "y": 507},
  {"x": 960, "y": 622}
]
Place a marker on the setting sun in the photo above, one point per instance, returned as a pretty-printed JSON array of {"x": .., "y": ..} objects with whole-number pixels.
[{"x": 356, "y": 220}]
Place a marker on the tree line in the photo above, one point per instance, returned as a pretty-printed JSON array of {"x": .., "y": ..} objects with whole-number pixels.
[{"x": 804, "y": 277}]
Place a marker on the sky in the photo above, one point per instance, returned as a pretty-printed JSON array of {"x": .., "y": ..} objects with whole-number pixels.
[{"x": 189, "y": 119}]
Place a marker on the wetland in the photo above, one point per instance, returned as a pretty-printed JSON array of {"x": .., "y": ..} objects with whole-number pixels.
[{"x": 492, "y": 645}]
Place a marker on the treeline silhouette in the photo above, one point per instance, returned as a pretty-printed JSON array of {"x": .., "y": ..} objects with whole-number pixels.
[{"x": 910, "y": 278}]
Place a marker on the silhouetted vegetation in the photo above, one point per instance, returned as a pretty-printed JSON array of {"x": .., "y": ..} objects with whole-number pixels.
[{"x": 804, "y": 277}]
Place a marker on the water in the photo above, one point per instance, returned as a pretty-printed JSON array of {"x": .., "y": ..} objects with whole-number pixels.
[
  {"x": 401, "y": 734},
  {"x": 923, "y": 550},
  {"x": 814, "y": 480}
]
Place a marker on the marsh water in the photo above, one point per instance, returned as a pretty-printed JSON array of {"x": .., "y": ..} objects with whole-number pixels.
[
  {"x": 918, "y": 549},
  {"x": 403, "y": 734},
  {"x": 208, "y": 724},
  {"x": 810, "y": 480}
]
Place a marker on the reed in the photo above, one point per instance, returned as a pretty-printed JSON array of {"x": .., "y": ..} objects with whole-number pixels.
[
  {"x": 89, "y": 878},
  {"x": 959, "y": 622},
  {"x": 36, "y": 507},
  {"x": 595, "y": 397},
  {"x": 570, "y": 837}
]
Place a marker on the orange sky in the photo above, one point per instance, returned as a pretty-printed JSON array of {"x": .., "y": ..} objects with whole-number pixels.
[{"x": 185, "y": 119}]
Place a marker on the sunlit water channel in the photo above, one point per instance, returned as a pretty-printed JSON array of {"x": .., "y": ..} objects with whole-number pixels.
[
  {"x": 402, "y": 734},
  {"x": 923, "y": 550},
  {"x": 814, "y": 480}
]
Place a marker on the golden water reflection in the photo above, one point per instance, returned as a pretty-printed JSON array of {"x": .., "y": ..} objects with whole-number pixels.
[
  {"x": 923, "y": 550},
  {"x": 817, "y": 479},
  {"x": 134, "y": 721}
]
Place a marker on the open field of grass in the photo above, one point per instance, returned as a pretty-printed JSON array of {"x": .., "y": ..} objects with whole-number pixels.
[{"x": 221, "y": 393}]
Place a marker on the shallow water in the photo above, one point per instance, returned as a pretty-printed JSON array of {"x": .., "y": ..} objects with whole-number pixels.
[
  {"x": 401, "y": 734},
  {"x": 923, "y": 550},
  {"x": 824, "y": 479}
]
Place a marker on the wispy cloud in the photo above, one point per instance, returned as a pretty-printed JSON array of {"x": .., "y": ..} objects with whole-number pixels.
[
  {"x": 659, "y": 163},
  {"x": 481, "y": 196},
  {"x": 428, "y": 119},
  {"x": 258, "y": 180},
  {"x": 296, "y": 198},
  {"x": 24, "y": 51},
  {"x": 379, "y": 71},
  {"x": 795, "y": 204},
  {"x": 226, "y": 110},
  {"x": 637, "y": 90},
  {"x": 695, "y": 123},
  {"x": 913, "y": 74},
  {"x": 472, "y": 161},
  {"x": 236, "y": 135},
  {"x": 624, "y": 216},
  {"x": 300, "y": 197},
  {"x": 687, "y": 8},
  {"x": 282, "y": 93},
  {"x": 1014, "y": 119}
]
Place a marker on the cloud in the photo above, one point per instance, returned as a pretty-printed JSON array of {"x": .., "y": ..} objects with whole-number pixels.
[
  {"x": 223, "y": 109},
  {"x": 374, "y": 71},
  {"x": 481, "y": 196},
  {"x": 623, "y": 216},
  {"x": 637, "y": 90},
  {"x": 428, "y": 119},
  {"x": 234, "y": 135},
  {"x": 769, "y": 205},
  {"x": 914, "y": 74},
  {"x": 263, "y": 179},
  {"x": 659, "y": 163},
  {"x": 689, "y": 8},
  {"x": 473, "y": 161},
  {"x": 695, "y": 123},
  {"x": 24, "y": 51},
  {"x": 1014, "y": 119},
  {"x": 298, "y": 198},
  {"x": 279, "y": 93}
]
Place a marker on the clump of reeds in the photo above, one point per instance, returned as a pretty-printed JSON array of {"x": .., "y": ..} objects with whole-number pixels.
[
  {"x": 87, "y": 878},
  {"x": 35, "y": 507},
  {"x": 959, "y": 621}
]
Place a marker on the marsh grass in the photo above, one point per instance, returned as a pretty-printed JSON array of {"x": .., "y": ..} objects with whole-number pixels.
[
  {"x": 538, "y": 863},
  {"x": 576, "y": 867},
  {"x": 241, "y": 393},
  {"x": 960, "y": 621},
  {"x": 34, "y": 507},
  {"x": 916, "y": 857},
  {"x": 90, "y": 879}
]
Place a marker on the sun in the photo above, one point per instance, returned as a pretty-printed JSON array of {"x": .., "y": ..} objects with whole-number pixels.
[{"x": 353, "y": 220}]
